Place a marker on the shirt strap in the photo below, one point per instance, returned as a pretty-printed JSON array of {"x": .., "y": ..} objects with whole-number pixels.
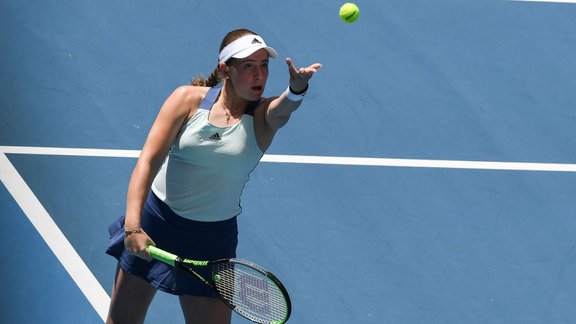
[{"x": 210, "y": 98}]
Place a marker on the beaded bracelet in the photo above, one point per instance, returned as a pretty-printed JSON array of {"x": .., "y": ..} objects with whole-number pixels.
[{"x": 128, "y": 231}]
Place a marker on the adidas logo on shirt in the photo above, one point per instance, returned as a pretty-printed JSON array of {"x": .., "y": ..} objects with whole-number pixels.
[{"x": 215, "y": 136}]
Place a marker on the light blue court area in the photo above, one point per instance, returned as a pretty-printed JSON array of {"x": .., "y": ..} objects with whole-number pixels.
[
  {"x": 35, "y": 286},
  {"x": 429, "y": 176}
]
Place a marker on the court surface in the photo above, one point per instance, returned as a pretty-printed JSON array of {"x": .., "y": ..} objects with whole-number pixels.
[{"x": 429, "y": 176}]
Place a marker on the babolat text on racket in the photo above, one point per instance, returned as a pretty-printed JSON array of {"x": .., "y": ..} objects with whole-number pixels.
[{"x": 248, "y": 289}]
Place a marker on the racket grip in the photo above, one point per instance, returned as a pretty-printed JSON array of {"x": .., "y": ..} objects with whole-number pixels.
[{"x": 162, "y": 255}]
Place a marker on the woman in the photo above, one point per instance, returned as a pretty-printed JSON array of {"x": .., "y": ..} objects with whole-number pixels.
[{"x": 188, "y": 202}]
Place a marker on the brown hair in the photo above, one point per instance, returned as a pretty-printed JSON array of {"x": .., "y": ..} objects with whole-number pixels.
[{"x": 215, "y": 76}]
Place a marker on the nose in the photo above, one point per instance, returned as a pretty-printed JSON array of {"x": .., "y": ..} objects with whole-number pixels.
[
  {"x": 258, "y": 72},
  {"x": 261, "y": 72}
]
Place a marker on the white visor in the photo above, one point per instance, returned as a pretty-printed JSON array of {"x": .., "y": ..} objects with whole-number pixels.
[{"x": 244, "y": 47}]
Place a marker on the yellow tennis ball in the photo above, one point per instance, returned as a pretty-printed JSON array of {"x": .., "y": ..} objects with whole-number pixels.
[{"x": 349, "y": 12}]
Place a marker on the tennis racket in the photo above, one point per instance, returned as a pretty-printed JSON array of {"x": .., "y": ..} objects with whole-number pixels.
[{"x": 248, "y": 289}]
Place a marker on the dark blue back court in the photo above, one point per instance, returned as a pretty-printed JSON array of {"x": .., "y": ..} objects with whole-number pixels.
[{"x": 428, "y": 176}]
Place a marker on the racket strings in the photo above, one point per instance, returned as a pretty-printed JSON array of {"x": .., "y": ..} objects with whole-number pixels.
[{"x": 251, "y": 293}]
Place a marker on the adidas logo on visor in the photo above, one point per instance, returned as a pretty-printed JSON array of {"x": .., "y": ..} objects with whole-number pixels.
[{"x": 254, "y": 41}]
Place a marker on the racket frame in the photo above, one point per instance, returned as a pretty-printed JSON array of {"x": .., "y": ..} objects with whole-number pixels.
[{"x": 190, "y": 266}]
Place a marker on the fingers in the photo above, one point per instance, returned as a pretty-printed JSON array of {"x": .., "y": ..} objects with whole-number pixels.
[
  {"x": 303, "y": 70},
  {"x": 291, "y": 68},
  {"x": 137, "y": 244},
  {"x": 142, "y": 254},
  {"x": 310, "y": 69},
  {"x": 299, "y": 77},
  {"x": 147, "y": 255}
]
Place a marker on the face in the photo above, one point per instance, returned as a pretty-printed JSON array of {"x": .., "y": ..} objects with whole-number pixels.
[{"x": 249, "y": 75}]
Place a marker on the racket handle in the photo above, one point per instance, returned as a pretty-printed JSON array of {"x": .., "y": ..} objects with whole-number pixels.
[{"x": 162, "y": 255}]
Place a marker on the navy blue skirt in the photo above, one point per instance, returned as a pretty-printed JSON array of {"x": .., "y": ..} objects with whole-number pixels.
[{"x": 186, "y": 238}]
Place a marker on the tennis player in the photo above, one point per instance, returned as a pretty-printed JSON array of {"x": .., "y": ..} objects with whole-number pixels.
[{"x": 185, "y": 190}]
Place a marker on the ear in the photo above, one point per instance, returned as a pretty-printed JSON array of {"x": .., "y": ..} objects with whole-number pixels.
[{"x": 223, "y": 68}]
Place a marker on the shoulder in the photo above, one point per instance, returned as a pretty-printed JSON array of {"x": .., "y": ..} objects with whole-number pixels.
[
  {"x": 190, "y": 94},
  {"x": 264, "y": 103},
  {"x": 261, "y": 108},
  {"x": 186, "y": 99}
]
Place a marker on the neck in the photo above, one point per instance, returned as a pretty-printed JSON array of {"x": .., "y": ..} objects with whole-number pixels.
[{"x": 231, "y": 104}]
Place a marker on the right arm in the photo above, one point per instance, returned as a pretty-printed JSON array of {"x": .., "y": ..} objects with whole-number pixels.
[{"x": 177, "y": 109}]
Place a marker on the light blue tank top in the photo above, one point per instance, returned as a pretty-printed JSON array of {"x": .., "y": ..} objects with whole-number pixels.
[{"x": 205, "y": 172}]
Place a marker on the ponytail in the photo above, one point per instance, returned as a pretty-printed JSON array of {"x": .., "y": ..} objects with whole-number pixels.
[{"x": 213, "y": 80}]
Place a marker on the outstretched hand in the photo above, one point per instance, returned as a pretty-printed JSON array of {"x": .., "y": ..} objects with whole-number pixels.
[{"x": 299, "y": 77}]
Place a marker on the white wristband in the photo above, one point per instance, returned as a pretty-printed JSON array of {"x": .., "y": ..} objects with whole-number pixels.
[{"x": 294, "y": 97}]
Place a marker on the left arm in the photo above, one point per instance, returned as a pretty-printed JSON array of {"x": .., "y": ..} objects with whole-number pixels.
[{"x": 280, "y": 109}]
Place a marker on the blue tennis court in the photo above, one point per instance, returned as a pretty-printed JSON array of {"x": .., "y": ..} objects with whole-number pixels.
[{"x": 428, "y": 177}]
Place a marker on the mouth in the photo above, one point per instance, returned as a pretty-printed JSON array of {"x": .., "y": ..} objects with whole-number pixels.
[{"x": 257, "y": 88}]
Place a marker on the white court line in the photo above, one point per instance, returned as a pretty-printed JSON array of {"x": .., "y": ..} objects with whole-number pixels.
[
  {"x": 413, "y": 163},
  {"x": 69, "y": 151},
  {"x": 329, "y": 160},
  {"x": 54, "y": 237},
  {"x": 556, "y": 1}
]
